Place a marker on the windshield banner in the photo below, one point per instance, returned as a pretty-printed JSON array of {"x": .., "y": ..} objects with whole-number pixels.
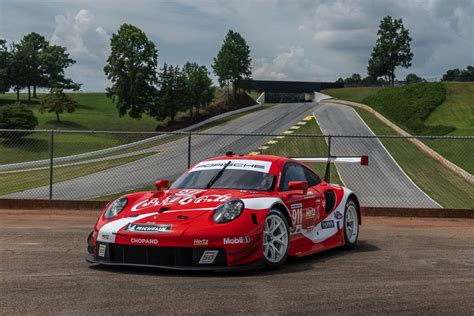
[{"x": 240, "y": 164}]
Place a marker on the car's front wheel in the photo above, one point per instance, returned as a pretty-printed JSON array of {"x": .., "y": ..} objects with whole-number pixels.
[{"x": 276, "y": 239}]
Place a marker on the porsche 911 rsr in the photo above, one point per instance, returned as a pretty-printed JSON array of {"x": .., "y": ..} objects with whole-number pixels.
[{"x": 229, "y": 212}]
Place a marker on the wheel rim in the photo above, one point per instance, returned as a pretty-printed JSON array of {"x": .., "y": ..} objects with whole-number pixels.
[
  {"x": 351, "y": 223},
  {"x": 275, "y": 239}
]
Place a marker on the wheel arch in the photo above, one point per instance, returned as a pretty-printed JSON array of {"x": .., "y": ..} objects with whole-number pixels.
[
  {"x": 354, "y": 198},
  {"x": 282, "y": 208}
]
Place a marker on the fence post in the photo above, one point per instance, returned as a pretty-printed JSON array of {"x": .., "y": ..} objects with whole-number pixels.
[
  {"x": 189, "y": 151},
  {"x": 327, "y": 175},
  {"x": 51, "y": 156}
]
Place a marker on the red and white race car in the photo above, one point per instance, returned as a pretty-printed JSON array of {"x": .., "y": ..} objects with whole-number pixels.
[{"x": 229, "y": 212}]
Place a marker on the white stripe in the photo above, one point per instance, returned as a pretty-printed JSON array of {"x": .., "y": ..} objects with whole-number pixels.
[
  {"x": 261, "y": 203},
  {"x": 317, "y": 234},
  {"x": 111, "y": 228}
]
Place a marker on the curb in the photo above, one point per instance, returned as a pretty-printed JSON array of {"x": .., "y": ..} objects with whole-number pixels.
[
  {"x": 14, "y": 204},
  {"x": 275, "y": 140}
]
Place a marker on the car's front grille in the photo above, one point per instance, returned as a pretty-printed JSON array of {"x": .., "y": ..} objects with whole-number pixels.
[{"x": 158, "y": 256}]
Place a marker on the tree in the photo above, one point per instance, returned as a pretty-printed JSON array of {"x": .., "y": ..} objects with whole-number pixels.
[
  {"x": 58, "y": 102},
  {"x": 171, "y": 96},
  {"x": 457, "y": 74},
  {"x": 412, "y": 78},
  {"x": 199, "y": 89},
  {"x": 354, "y": 79},
  {"x": 33, "y": 45},
  {"x": 17, "y": 68},
  {"x": 391, "y": 50},
  {"x": 232, "y": 63},
  {"x": 16, "y": 116},
  {"x": 5, "y": 59},
  {"x": 131, "y": 67},
  {"x": 54, "y": 61},
  {"x": 340, "y": 80}
]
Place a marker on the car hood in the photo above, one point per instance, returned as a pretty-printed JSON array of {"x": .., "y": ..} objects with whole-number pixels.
[{"x": 185, "y": 199}]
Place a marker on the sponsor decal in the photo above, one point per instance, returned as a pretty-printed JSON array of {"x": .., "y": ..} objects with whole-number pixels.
[
  {"x": 310, "y": 213},
  {"x": 236, "y": 240},
  {"x": 297, "y": 205},
  {"x": 105, "y": 236},
  {"x": 148, "y": 228},
  {"x": 208, "y": 257},
  {"x": 101, "y": 252},
  {"x": 297, "y": 216},
  {"x": 327, "y": 224},
  {"x": 182, "y": 198},
  {"x": 144, "y": 241},
  {"x": 337, "y": 215},
  {"x": 201, "y": 242}
]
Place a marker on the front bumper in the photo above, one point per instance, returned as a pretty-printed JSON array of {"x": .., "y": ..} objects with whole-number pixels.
[{"x": 175, "y": 258}]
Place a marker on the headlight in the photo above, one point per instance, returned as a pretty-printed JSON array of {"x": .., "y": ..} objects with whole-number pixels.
[
  {"x": 115, "y": 208},
  {"x": 228, "y": 211}
]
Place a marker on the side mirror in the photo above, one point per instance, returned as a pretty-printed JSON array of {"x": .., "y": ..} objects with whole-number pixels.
[
  {"x": 298, "y": 185},
  {"x": 162, "y": 184}
]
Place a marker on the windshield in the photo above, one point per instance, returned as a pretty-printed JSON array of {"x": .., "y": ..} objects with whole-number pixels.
[{"x": 233, "y": 179}]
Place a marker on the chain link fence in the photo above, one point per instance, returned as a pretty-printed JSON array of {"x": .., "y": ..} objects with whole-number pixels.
[{"x": 84, "y": 165}]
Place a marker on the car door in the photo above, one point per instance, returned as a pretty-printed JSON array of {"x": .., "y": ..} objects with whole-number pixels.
[{"x": 303, "y": 207}]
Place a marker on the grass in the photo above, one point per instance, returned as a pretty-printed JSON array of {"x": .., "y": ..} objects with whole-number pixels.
[
  {"x": 410, "y": 106},
  {"x": 292, "y": 146},
  {"x": 457, "y": 110},
  {"x": 94, "y": 111},
  {"x": 352, "y": 94},
  {"x": 20, "y": 181},
  {"x": 442, "y": 185}
]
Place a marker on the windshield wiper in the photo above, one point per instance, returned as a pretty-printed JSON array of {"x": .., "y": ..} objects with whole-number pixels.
[{"x": 217, "y": 176}]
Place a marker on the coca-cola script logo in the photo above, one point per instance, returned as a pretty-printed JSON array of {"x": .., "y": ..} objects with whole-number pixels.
[{"x": 182, "y": 198}]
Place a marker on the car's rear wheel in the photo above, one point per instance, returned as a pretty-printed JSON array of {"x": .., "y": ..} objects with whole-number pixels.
[
  {"x": 276, "y": 239},
  {"x": 351, "y": 225}
]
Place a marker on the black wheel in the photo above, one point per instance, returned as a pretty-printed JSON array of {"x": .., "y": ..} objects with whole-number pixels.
[
  {"x": 351, "y": 225},
  {"x": 276, "y": 239}
]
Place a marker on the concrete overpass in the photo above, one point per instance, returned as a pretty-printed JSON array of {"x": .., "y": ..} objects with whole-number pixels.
[{"x": 306, "y": 87}]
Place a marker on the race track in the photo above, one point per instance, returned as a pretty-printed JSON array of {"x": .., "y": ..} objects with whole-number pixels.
[
  {"x": 382, "y": 182},
  {"x": 171, "y": 159},
  {"x": 401, "y": 265}
]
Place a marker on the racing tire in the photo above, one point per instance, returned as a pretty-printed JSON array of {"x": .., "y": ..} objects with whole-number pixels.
[
  {"x": 276, "y": 239},
  {"x": 351, "y": 225}
]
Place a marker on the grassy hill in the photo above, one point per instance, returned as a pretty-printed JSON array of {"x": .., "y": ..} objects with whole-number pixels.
[
  {"x": 457, "y": 110},
  {"x": 94, "y": 111},
  {"x": 434, "y": 108}
]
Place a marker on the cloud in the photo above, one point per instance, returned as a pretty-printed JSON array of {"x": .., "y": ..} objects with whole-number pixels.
[
  {"x": 289, "y": 65},
  {"x": 294, "y": 40},
  {"x": 88, "y": 44}
]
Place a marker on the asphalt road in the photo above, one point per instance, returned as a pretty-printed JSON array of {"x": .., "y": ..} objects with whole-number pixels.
[
  {"x": 382, "y": 182},
  {"x": 401, "y": 265},
  {"x": 171, "y": 159}
]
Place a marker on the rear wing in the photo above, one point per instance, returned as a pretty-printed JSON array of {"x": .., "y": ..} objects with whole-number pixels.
[{"x": 363, "y": 160}]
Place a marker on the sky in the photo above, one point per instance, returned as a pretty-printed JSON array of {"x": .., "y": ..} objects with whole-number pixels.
[{"x": 307, "y": 40}]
